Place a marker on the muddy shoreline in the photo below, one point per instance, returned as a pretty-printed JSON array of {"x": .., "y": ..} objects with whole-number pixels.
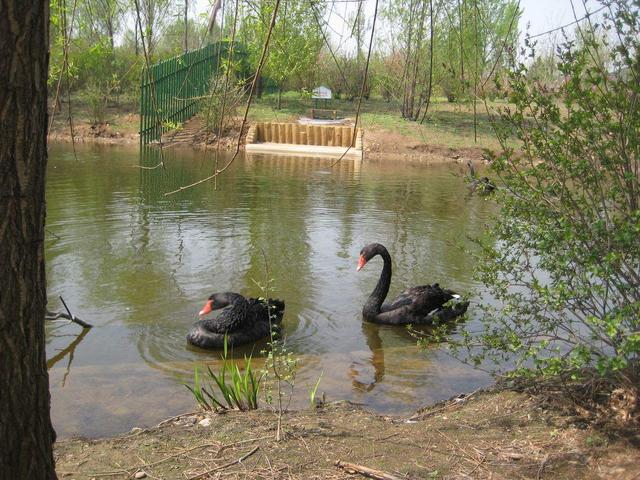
[
  {"x": 378, "y": 144},
  {"x": 487, "y": 434}
]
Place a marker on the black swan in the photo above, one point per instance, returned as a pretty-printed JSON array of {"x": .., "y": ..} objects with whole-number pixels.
[
  {"x": 481, "y": 185},
  {"x": 416, "y": 305},
  {"x": 243, "y": 320}
]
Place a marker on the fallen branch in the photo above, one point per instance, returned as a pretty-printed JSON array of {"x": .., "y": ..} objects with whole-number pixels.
[
  {"x": 366, "y": 471},
  {"x": 69, "y": 316}
]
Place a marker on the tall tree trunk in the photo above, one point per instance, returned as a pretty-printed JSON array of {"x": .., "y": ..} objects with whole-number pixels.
[
  {"x": 407, "y": 63},
  {"x": 136, "y": 38},
  {"x": 186, "y": 25},
  {"x": 148, "y": 28},
  {"x": 110, "y": 33},
  {"x": 26, "y": 433},
  {"x": 416, "y": 63},
  {"x": 431, "y": 39},
  {"x": 259, "y": 86},
  {"x": 462, "y": 10}
]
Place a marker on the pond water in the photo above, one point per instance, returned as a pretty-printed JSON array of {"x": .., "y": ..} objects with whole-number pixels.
[{"x": 140, "y": 265}]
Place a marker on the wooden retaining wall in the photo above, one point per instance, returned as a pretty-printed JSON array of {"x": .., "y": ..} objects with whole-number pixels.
[{"x": 296, "y": 134}]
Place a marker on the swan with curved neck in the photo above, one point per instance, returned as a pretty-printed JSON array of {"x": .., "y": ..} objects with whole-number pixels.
[
  {"x": 242, "y": 320},
  {"x": 424, "y": 304}
]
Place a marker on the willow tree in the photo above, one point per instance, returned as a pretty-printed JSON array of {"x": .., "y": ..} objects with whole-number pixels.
[
  {"x": 295, "y": 42},
  {"x": 26, "y": 433},
  {"x": 477, "y": 38}
]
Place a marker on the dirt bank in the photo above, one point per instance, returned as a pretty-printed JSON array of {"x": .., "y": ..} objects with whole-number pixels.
[
  {"x": 379, "y": 144},
  {"x": 119, "y": 127},
  {"x": 499, "y": 434}
]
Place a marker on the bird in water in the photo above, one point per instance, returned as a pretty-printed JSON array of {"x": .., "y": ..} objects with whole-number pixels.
[
  {"x": 420, "y": 305},
  {"x": 481, "y": 185},
  {"x": 242, "y": 320}
]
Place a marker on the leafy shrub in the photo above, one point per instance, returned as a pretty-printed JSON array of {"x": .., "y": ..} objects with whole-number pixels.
[
  {"x": 563, "y": 260},
  {"x": 96, "y": 98}
]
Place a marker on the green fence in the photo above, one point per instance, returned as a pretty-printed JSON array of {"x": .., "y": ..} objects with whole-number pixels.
[{"x": 170, "y": 91}]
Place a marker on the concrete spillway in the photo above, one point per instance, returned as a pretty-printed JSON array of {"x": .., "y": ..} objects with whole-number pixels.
[{"x": 306, "y": 140}]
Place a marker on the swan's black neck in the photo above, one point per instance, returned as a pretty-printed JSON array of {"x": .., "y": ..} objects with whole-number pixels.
[{"x": 372, "y": 308}]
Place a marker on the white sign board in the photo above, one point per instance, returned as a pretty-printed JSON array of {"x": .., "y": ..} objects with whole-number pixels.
[{"x": 321, "y": 92}]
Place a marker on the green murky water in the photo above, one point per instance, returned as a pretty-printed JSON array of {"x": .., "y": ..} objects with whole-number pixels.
[{"x": 139, "y": 266}]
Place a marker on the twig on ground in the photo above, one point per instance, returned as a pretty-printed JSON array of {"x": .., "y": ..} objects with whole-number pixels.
[
  {"x": 453, "y": 402},
  {"x": 226, "y": 465},
  {"x": 366, "y": 471}
]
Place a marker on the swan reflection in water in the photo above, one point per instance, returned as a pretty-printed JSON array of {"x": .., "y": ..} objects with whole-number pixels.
[
  {"x": 376, "y": 360},
  {"x": 360, "y": 369}
]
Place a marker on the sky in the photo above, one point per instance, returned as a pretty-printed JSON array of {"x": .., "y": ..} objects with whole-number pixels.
[
  {"x": 543, "y": 15},
  {"x": 538, "y": 15}
]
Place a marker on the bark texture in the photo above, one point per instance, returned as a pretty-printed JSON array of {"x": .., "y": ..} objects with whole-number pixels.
[{"x": 26, "y": 433}]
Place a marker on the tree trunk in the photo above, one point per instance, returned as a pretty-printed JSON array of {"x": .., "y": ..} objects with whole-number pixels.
[
  {"x": 186, "y": 25},
  {"x": 259, "y": 86},
  {"x": 26, "y": 433},
  {"x": 110, "y": 33},
  {"x": 136, "y": 37},
  {"x": 416, "y": 63},
  {"x": 279, "y": 97},
  {"x": 407, "y": 64},
  {"x": 431, "y": 39}
]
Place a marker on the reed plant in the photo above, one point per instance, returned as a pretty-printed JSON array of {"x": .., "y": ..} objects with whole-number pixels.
[
  {"x": 240, "y": 391},
  {"x": 314, "y": 391}
]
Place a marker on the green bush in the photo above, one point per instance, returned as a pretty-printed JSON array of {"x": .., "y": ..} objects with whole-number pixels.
[
  {"x": 95, "y": 95},
  {"x": 563, "y": 260}
]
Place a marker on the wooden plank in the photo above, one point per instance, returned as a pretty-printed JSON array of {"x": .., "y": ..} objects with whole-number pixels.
[
  {"x": 337, "y": 136},
  {"x": 289, "y": 128},
  {"x": 282, "y": 132}
]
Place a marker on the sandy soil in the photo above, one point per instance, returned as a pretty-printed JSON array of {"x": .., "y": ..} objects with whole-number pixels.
[{"x": 498, "y": 434}]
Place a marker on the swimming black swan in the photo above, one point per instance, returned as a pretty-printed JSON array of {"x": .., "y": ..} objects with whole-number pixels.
[
  {"x": 416, "y": 305},
  {"x": 243, "y": 320},
  {"x": 481, "y": 185}
]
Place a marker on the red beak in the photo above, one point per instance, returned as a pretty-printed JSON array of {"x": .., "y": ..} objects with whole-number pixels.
[
  {"x": 207, "y": 308},
  {"x": 361, "y": 263}
]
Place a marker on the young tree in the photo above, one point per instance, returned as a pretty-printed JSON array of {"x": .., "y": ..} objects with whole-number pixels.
[
  {"x": 26, "y": 433},
  {"x": 150, "y": 16},
  {"x": 100, "y": 19}
]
